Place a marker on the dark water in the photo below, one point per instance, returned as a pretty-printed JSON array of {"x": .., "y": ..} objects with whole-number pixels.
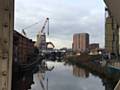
[{"x": 66, "y": 77}]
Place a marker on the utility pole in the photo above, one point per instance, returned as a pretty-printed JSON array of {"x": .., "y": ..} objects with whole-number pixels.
[{"x": 6, "y": 43}]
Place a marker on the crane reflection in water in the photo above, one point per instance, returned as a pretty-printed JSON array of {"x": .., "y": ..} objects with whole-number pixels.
[{"x": 41, "y": 75}]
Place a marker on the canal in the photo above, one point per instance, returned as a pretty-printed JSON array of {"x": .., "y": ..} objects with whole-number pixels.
[{"x": 68, "y": 77}]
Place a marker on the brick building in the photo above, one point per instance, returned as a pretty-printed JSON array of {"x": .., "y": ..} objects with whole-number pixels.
[
  {"x": 94, "y": 46},
  {"x": 22, "y": 47},
  {"x": 81, "y": 42}
]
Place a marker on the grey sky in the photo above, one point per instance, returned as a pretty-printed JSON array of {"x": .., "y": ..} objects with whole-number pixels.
[{"x": 66, "y": 18}]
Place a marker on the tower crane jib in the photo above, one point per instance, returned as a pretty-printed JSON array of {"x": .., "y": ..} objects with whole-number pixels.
[{"x": 46, "y": 21}]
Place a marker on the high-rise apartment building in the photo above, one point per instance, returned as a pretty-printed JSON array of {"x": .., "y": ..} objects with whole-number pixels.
[{"x": 81, "y": 42}]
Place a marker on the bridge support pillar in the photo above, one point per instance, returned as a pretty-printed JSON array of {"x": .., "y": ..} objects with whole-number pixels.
[{"x": 6, "y": 43}]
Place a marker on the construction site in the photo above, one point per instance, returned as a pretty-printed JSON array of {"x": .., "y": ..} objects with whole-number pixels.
[{"x": 21, "y": 57}]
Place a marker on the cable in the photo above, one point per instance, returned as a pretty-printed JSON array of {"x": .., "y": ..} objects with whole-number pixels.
[{"x": 32, "y": 25}]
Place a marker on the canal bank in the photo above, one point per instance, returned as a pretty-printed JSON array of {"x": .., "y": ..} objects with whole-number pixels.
[{"x": 95, "y": 64}]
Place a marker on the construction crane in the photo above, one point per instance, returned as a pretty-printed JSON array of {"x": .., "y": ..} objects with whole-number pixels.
[
  {"x": 47, "y": 20},
  {"x": 43, "y": 28},
  {"x": 23, "y": 30},
  {"x": 41, "y": 36}
]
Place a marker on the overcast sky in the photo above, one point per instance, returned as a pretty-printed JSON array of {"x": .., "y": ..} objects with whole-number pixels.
[{"x": 66, "y": 18}]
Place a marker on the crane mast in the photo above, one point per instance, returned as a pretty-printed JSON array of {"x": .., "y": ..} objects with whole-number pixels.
[{"x": 41, "y": 37}]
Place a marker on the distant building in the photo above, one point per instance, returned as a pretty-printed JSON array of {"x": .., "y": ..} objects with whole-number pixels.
[
  {"x": 80, "y": 42},
  {"x": 94, "y": 49},
  {"x": 94, "y": 46},
  {"x": 111, "y": 35}
]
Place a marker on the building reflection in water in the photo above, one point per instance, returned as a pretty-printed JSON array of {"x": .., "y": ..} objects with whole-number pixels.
[
  {"x": 109, "y": 84},
  {"x": 77, "y": 71},
  {"x": 80, "y": 72}
]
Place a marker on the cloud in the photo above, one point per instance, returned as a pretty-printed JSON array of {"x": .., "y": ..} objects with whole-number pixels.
[
  {"x": 59, "y": 43},
  {"x": 66, "y": 18}
]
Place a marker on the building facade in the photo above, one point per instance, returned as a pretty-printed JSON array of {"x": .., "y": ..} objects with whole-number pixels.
[
  {"x": 94, "y": 46},
  {"x": 23, "y": 47},
  {"x": 111, "y": 36},
  {"x": 81, "y": 42},
  {"x": 119, "y": 41}
]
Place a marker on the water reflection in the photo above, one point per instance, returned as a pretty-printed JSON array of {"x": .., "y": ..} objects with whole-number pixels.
[
  {"x": 109, "y": 83},
  {"x": 73, "y": 76},
  {"x": 83, "y": 73},
  {"x": 80, "y": 72},
  {"x": 66, "y": 77}
]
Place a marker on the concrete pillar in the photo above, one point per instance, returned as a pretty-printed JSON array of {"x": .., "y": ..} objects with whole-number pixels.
[
  {"x": 6, "y": 43},
  {"x": 116, "y": 38}
]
